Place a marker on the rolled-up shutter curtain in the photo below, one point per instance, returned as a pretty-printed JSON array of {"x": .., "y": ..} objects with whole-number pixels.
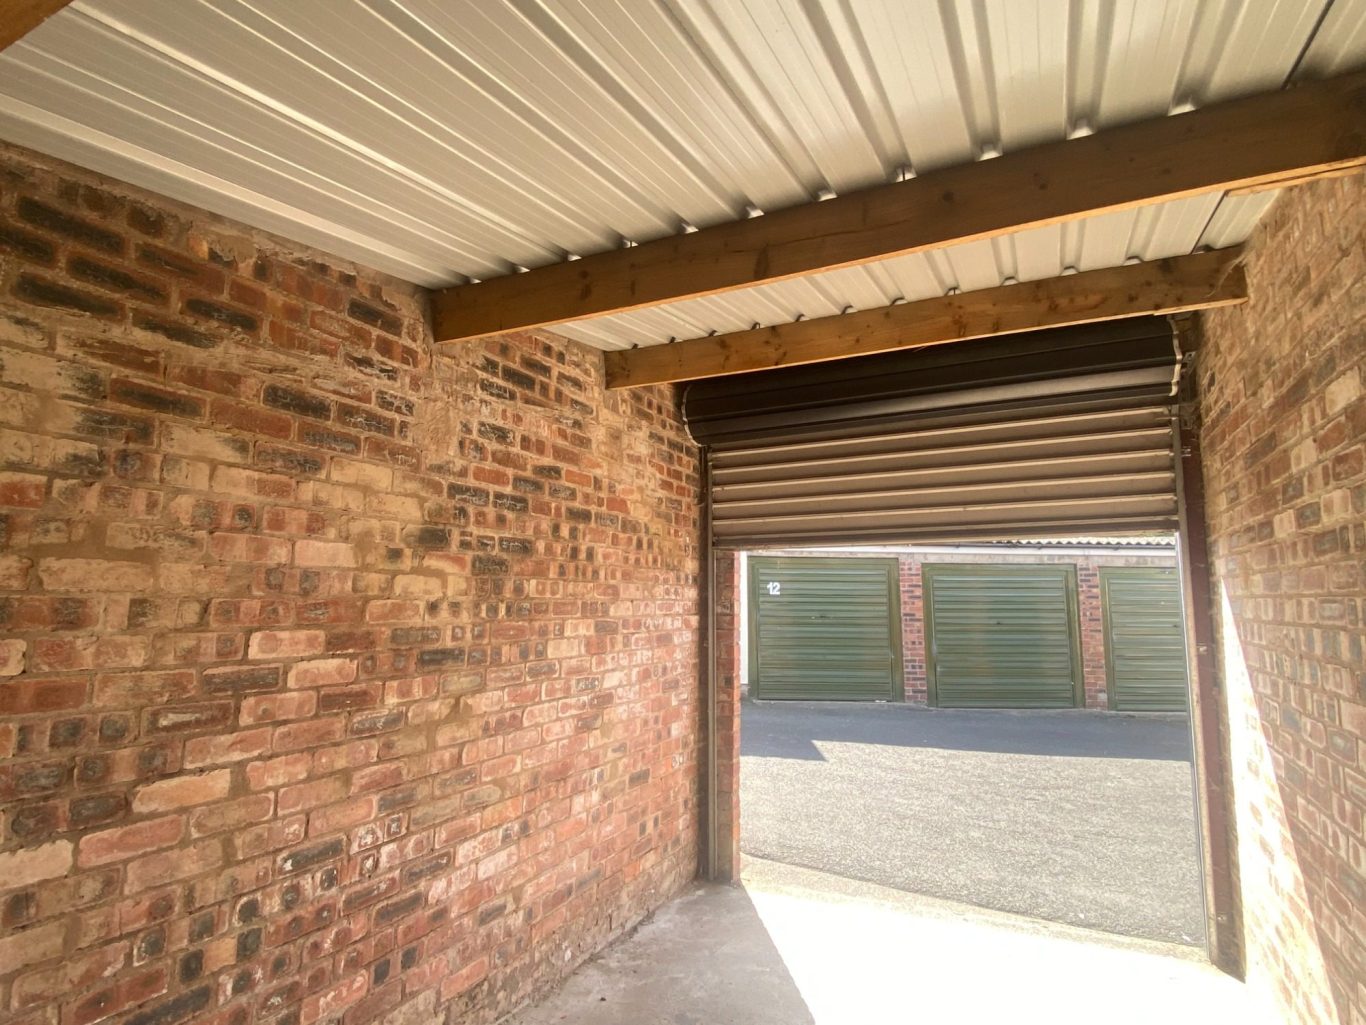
[{"x": 1051, "y": 433}]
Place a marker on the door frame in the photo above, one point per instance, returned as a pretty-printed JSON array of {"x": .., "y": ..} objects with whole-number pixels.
[
  {"x": 927, "y": 570},
  {"x": 893, "y": 566}
]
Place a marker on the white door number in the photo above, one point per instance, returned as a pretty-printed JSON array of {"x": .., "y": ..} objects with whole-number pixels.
[{"x": 775, "y": 588}]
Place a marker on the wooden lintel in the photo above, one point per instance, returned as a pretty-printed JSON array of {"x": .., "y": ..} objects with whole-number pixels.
[
  {"x": 20, "y": 17},
  {"x": 1315, "y": 128},
  {"x": 1175, "y": 285}
]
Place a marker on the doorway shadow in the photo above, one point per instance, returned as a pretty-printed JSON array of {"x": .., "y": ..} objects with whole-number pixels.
[
  {"x": 773, "y": 729},
  {"x": 704, "y": 958}
]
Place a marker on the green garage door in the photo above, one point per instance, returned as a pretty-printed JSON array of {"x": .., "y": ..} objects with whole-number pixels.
[
  {"x": 1002, "y": 636},
  {"x": 824, "y": 629},
  {"x": 1145, "y": 639}
]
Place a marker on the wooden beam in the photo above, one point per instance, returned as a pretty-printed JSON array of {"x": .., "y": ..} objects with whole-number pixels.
[
  {"x": 1298, "y": 179},
  {"x": 20, "y": 17},
  {"x": 1314, "y": 128},
  {"x": 1162, "y": 286}
]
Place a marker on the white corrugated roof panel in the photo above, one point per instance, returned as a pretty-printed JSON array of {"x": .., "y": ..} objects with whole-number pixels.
[{"x": 449, "y": 140}]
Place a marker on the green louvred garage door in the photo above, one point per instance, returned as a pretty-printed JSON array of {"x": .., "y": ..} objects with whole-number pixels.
[
  {"x": 1002, "y": 636},
  {"x": 824, "y": 629},
  {"x": 1145, "y": 639}
]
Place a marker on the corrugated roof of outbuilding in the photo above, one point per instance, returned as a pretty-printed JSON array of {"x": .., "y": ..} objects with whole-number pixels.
[{"x": 443, "y": 141}]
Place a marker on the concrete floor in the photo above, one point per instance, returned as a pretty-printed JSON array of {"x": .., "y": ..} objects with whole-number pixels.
[
  {"x": 1083, "y": 818},
  {"x": 797, "y": 947}
]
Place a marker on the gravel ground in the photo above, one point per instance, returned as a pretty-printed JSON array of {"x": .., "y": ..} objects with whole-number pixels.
[{"x": 1076, "y": 817}]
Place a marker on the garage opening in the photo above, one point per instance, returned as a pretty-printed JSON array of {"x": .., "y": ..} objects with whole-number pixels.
[{"x": 948, "y": 692}]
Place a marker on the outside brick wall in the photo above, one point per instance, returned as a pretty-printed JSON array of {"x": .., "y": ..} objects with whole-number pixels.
[
  {"x": 1284, "y": 439},
  {"x": 338, "y": 682},
  {"x": 914, "y": 672}
]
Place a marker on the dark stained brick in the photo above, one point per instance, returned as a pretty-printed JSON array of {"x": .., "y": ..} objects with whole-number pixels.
[
  {"x": 367, "y": 313},
  {"x": 30, "y": 246},
  {"x": 42, "y": 292},
  {"x": 437, "y": 657},
  {"x": 222, "y": 314},
  {"x": 466, "y": 493},
  {"x": 428, "y": 537},
  {"x": 131, "y": 393},
  {"x": 40, "y": 215},
  {"x": 174, "y": 1010},
  {"x": 182, "y": 333},
  {"x": 309, "y": 857},
  {"x": 113, "y": 279},
  {"x": 365, "y": 420},
  {"x": 293, "y": 401}
]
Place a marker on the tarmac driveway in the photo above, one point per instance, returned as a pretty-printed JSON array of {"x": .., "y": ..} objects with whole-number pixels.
[{"x": 1077, "y": 817}]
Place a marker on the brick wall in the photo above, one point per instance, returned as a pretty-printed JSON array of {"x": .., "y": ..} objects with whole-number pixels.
[
  {"x": 915, "y": 678},
  {"x": 1285, "y": 471},
  {"x": 338, "y": 682}
]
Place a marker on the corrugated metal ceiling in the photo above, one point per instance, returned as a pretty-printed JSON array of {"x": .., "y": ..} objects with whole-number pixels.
[{"x": 443, "y": 140}]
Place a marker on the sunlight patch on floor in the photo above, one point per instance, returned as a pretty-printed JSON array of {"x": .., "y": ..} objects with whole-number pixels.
[{"x": 859, "y": 953}]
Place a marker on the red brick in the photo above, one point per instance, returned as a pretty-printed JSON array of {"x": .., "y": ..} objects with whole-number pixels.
[
  {"x": 322, "y": 672},
  {"x": 232, "y": 815},
  {"x": 21, "y": 697},
  {"x": 274, "y": 772},
  {"x": 168, "y": 866},
  {"x": 32, "y": 945},
  {"x": 22, "y": 490},
  {"x": 324, "y": 554},
  {"x": 27, "y": 866},
  {"x": 14, "y": 572},
  {"x": 104, "y": 575},
  {"x": 232, "y": 747},
  {"x": 12, "y": 655},
  {"x": 110, "y": 1000},
  {"x": 285, "y": 644},
  {"x": 131, "y": 690},
  {"x": 129, "y": 841},
  {"x": 182, "y": 791},
  {"x": 308, "y": 734},
  {"x": 249, "y": 548},
  {"x": 276, "y": 707},
  {"x": 303, "y": 796},
  {"x": 334, "y": 999}
]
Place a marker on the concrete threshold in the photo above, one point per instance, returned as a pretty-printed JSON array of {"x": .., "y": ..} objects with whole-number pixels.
[{"x": 793, "y": 945}]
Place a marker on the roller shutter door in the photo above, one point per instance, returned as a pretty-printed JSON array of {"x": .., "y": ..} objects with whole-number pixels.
[
  {"x": 1002, "y": 636},
  {"x": 1145, "y": 640},
  {"x": 1060, "y": 432},
  {"x": 824, "y": 629}
]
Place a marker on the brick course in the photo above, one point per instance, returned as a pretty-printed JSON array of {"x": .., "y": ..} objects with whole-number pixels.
[
  {"x": 1284, "y": 439},
  {"x": 340, "y": 681}
]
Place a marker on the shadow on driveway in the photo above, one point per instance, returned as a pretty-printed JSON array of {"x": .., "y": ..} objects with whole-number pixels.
[{"x": 768, "y": 731}]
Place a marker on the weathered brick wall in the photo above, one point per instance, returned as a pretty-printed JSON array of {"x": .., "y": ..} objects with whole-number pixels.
[
  {"x": 338, "y": 682},
  {"x": 1284, "y": 439}
]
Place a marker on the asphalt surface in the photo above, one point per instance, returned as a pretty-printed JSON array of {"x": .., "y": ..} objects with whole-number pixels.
[{"x": 1077, "y": 817}]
